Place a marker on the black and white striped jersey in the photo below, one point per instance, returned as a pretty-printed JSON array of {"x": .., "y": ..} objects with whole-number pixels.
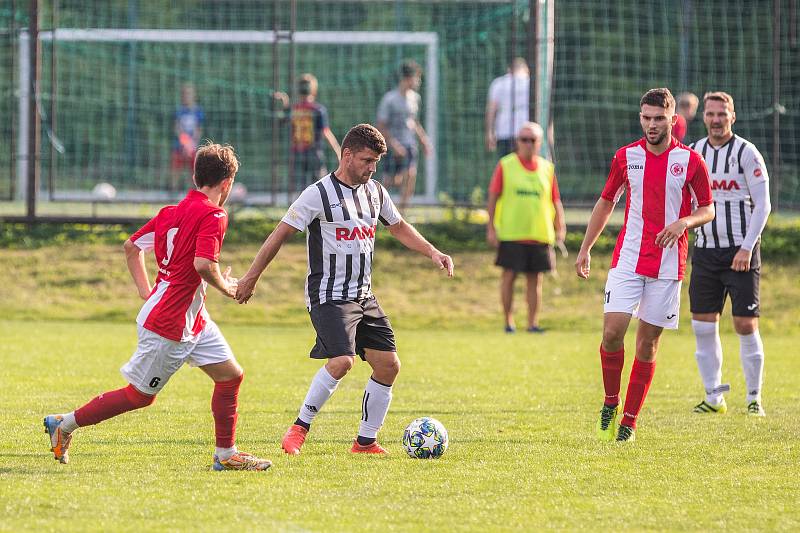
[
  {"x": 739, "y": 183},
  {"x": 340, "y": 221}
]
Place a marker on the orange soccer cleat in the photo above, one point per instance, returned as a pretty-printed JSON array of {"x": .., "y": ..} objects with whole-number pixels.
[
  {"x": 369, "y": 448},
  {"x": 293, "y": 439},
  {"x": 59, "y": 441}
]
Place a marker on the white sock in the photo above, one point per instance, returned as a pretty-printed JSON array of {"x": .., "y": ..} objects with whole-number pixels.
[
  {"x": 322, "y": 387},
  {"x": 225, "y": 453},
  {"x": 709, "y": 358},
  {"x": 374, "y": 406},
  {"x": 751, "y": 351},
  {"x": 68, "y": 424}
]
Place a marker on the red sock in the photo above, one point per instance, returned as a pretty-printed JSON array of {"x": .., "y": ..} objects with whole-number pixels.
[
  {"x": 641, "y": 377},
  {"x": 223, "y": 405},
  {"x": 110, "y": 404},
  {"x": 612, "y": 363}
]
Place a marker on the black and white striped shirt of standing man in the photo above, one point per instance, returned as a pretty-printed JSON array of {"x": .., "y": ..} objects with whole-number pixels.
[
  {"x": 340, "y": 213},
  {"x": 726, "y": 260}
]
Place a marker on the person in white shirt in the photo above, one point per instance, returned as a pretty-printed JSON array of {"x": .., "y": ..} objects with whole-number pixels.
[{"x": 507, "y": 107}]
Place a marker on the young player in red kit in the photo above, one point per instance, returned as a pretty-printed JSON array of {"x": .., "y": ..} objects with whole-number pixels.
[
  {"x": 173, "y": 325},
  {"x": 662, "y": 179}
]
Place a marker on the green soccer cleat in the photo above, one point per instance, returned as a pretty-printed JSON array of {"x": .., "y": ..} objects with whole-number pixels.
[
  {"x": 607, "y": 422},
  {"x": 626, "y": 434},
  {"x": 705, "y": 407},
  {"x": 754, "y": 408}
]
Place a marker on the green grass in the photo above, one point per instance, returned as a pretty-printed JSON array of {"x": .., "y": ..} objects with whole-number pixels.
[{"x": 520, "y": 411}]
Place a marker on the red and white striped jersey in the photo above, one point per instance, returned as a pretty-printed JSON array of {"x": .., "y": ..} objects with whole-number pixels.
[
  {"x": 660, "y": 190},
  {"x": 179, "y": 233}
]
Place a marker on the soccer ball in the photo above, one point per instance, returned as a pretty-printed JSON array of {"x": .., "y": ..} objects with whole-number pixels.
[{"x": 425, "y": 438}]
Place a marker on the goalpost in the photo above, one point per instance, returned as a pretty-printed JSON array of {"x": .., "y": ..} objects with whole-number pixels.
[{"x": 428, "y": 40}]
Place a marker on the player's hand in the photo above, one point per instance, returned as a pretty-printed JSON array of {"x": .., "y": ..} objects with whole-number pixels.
[
  {"x": 583, "y": 264},
  {"x": 145, "y": 295},
  {"x": 246, "y": 288},
  {"x": 668, "y": 236},
  {"x": 231, "y": 283},
  {"x": 427, "y": 148},
  {"x": 443, "y": 261},
  {"x": 741, "y": 261},
  {"x": 399, "y": 150},
  {"x": 491, "y": 141},
  {"x": 491, "y": 236}
]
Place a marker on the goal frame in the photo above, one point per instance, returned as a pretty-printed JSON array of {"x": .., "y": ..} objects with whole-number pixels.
[{"x": 430, "y": 40}]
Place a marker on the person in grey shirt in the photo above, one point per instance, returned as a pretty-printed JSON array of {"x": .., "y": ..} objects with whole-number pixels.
[{"x": 397, "y": 121}]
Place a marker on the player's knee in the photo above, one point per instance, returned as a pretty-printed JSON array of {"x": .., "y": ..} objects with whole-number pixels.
[
  {"x": 392, "y": 366},
  {"x": 613, "y": 338},
  {"x": 338, "y": 367},
  {"x": 745, "y": 325},
  {"x": 138, "y": 399}
]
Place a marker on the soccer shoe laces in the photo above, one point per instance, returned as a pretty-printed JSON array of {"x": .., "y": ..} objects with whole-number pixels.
[
  {"x": 606, "y": 416},
  {"x": 624, "y": 433}
]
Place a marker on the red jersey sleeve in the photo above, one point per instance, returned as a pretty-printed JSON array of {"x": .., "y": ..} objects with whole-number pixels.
[
  {"x": 700, "y": 182},
  {"x": 496, "y": 185},
  {"x": 210, "y": 235},
  {"x": 555, "y": 193},
  {"x": 144, "y": 237},
  {"x": 615, "y": 181}
]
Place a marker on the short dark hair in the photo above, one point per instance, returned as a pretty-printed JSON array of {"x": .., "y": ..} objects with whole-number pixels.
[
  {"x": 660, "y": 97},
  {"x": 213, "y": 163},
  {"x": 410, "y": 68},
  {"x": 719, "y": 96},
  {"x": 363, "y": 136}
]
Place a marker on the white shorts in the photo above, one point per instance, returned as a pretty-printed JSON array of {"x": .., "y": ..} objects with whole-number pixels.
[
  {"x": 156, "y": 358},
  {"x": 655, "y": 301}
]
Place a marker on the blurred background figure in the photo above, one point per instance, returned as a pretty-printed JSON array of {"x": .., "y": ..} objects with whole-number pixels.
[
  {"x": 189, "y": 119},
  {"x": 397, "y": 121},
  {"x": 507, "y": 106},
  {"x": 687, "y": 110},
  {"x": 309, "y": 127},
  {"x": 525, "y": 219}
]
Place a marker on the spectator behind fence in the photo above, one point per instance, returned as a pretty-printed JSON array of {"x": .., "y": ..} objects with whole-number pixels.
[
  {"x": 687, "y": 109},
  {"x": 188, "y": 127},
  {"x": 309, "y": 126},
  {"x": 525, "y": 219},
  {"x": 507, "y": 106},
  {"x": 397, "y": 121}
]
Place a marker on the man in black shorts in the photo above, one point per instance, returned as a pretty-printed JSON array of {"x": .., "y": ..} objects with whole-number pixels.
[
  {"x": 525, "y": 219},
  {"x": 340, "y": 213},
  {"x": 726, "y": 259}
]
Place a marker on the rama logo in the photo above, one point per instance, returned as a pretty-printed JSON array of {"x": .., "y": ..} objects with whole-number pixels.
[
  {"x": 724, "y": 185},
  {"x": 676, "y": 169},
  {"x": 345, "y": 234}
]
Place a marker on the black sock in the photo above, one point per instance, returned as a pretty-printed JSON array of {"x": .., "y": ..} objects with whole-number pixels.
[
  {"x": 365, "y": 441},
  {"x": 300, "y": 423}
]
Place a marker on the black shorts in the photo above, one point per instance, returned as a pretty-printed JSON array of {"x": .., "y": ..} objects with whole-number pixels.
[
  {"x": 712, "y": 280},
  {"x": 506, "y": 146},
  {"x": 307, "y": 167},
  {"x": 521, "y": 257},
  {"x": 394, "y": 164},
  {"x": 347, "y": 327}
]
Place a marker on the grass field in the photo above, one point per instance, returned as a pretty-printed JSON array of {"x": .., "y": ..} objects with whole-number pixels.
[{"x": 519, "y": 408}]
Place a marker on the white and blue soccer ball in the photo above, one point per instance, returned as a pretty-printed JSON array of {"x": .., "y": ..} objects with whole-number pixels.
[{"x": 425, "y": 438}]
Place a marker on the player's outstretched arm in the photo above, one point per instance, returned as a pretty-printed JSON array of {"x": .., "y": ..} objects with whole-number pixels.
[
  {"x": 668, "y": 236},
  {"x": 413, "y": 240},
  {"x": 134, "y": 256},
  {"x": 597, "y": 222},
  {"x": 268, "y": 251},
  {"x": 222, "y": 281}
]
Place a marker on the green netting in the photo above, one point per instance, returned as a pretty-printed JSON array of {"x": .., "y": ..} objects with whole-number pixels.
[
  {"x": 608, "y": 53},
  {"x": 114, "y": 102}
]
